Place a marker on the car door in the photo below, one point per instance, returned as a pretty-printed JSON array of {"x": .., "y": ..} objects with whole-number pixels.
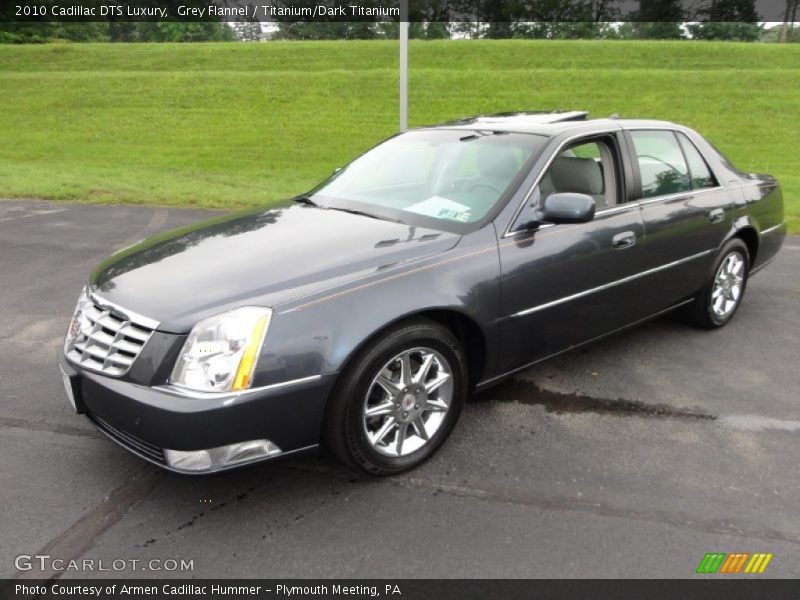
[
  {"x": 686, "y": 214},
  {"x": 565, "y": 284}
]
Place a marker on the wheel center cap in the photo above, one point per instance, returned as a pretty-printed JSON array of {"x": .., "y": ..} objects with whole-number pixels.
[{"x": 408, "y": 402}]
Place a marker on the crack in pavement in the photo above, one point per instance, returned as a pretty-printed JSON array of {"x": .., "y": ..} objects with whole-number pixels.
[
  {"x": 561, "y": 503},
  {"x": 79, "y": 537},
  {"x": 277, "y": 476},
  {"x": 190, "y": 523},
  {"x": 564, "y": 503},
  {"x": 13, "y": 423},
  {"x": 526, "y": 392},
  {"x": 520, "y": 391}
]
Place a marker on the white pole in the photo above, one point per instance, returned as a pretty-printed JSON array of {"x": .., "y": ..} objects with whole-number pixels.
[{"x": 403, "y": 65}]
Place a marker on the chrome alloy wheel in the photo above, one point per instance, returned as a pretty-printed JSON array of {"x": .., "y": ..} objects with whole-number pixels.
[
  {"x": 407, "y": 402},
  {"x": 728, "y": 284}
]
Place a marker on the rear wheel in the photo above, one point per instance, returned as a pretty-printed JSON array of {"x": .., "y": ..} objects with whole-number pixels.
[
  {"x": 398, "y": 400},
  {"x": 719, "y": 299}
]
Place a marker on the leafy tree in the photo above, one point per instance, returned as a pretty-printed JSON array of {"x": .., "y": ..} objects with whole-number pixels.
[
  {"x": 193, "y": 31},
  {"x": 425, "y": 30},
  {"x": 727, "y": 20},
  {"x": 658, "y": 19},
  {"x": 547, "y": 19},
  {"x": 743, "y": 32},
  {"x": 315, "y": 30},
  {"x": 789, "y": 19},
  {"x": 247, "y": 31},
  {"x": 781, "y": 33}
]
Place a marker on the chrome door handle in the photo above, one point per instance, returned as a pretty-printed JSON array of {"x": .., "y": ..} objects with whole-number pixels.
[
  {"x": 626, "y": 239},
  {"x": 716, "y": 215}
]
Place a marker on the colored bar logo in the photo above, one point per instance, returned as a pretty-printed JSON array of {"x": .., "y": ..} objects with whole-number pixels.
[{"x": 736, "y": 562}]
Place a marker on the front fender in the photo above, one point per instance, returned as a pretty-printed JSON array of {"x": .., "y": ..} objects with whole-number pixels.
[{"x": 318, "y": 334}]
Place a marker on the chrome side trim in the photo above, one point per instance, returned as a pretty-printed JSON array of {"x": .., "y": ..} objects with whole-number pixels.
[
  {"x": 544, "y": 169},
  {"x": 175, "y": 390},
  {"x": 606, "y": 286},
  {"x": 619, "y": 208},
  {"x": 773, "y": 228},
  {"x": 136, "y": 317},
  {"x": 645, "y": 202},
  {"x": 488, "y": 382}
]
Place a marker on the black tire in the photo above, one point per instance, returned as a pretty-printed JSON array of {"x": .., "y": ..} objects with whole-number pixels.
[
  {"x": 344, "y": 430},
  {"x": 701, "y": 312}
]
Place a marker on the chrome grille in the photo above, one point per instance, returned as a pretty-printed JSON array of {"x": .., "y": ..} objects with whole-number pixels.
[{"x": 109, "y": 338}]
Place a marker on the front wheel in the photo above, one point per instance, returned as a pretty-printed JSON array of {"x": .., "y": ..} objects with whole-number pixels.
[
  {"x": 399, "y": 399},
  {"x": 719, "y": 299}
]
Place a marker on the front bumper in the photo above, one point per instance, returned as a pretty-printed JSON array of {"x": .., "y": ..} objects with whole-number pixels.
[{"x": 155, "y": 422}]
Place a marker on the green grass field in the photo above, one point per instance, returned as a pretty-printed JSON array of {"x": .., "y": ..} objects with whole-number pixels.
[{"x": 230, "y": 125}]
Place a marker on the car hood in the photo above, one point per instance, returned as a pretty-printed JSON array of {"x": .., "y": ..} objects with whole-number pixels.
[{"x": 263, "y": 258}]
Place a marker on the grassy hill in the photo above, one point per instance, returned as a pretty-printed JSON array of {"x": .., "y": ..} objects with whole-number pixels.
[{"x": 224, "y": 125}]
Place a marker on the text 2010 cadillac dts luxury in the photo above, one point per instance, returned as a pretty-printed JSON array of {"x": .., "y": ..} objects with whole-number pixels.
[{"x": 362, "y": 314}]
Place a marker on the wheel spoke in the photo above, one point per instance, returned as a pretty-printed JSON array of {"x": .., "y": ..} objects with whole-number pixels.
[
  {"x": 419, "y": 427},
  {"x": 406, "y": 377},
  {"x": 387, "y": 426},
  {"x": 436, "y": 405},
  {"x": 381, "y": 409},
  {"x": 432, "y": 386},
  {"x": 401, "y": 438},
  {"x": 718, "y": 291},
  {"x": 389, "y": 386},
  {"x": 422, "y": 374},
  {"x": 729, "y": 264},
  {"x": 719, "y": 303}
]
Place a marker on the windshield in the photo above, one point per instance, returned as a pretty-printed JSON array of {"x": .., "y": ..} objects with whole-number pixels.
[{"x": 434, "y": 178}]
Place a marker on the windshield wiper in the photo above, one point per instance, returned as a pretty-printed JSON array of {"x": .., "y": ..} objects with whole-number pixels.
[
  {"x": 306, "y": 200},
  {"x": 353, "y": 211},
  {"x": 478, "y": 134}
]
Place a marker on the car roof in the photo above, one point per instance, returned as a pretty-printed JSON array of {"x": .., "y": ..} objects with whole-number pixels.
[{"x": 548, "y": 123}]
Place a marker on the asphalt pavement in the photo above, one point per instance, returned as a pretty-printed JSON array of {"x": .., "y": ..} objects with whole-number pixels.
[{"x": 632, "y": 457}]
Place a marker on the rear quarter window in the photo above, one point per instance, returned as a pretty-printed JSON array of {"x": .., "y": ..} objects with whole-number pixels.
[
  {"x": 662, "y": 166},
  {"x": 701, "y": 175}
]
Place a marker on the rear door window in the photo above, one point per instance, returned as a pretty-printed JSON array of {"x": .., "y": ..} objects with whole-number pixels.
[
  {"x": 701, "y": 175},
  {"x": 662, "y": 164}
]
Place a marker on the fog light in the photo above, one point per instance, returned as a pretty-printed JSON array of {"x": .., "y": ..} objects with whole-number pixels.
[{"x": 221, "y": 457}]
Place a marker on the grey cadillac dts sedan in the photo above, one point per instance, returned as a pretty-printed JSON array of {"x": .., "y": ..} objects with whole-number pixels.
[{"x": 361, "y": 314}]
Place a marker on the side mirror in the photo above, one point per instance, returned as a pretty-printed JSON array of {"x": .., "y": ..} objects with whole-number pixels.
[{"x": 567, "y": 207}]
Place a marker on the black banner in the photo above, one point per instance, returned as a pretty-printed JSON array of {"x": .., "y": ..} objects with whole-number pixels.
[
  {"x": 488, "y": 11},
  {"x": 404, "y": 589}
]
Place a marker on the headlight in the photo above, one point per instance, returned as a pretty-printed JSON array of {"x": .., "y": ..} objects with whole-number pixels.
[
  {"x": 80, "y": 324},
  {"x": 220, "y": 353}
]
